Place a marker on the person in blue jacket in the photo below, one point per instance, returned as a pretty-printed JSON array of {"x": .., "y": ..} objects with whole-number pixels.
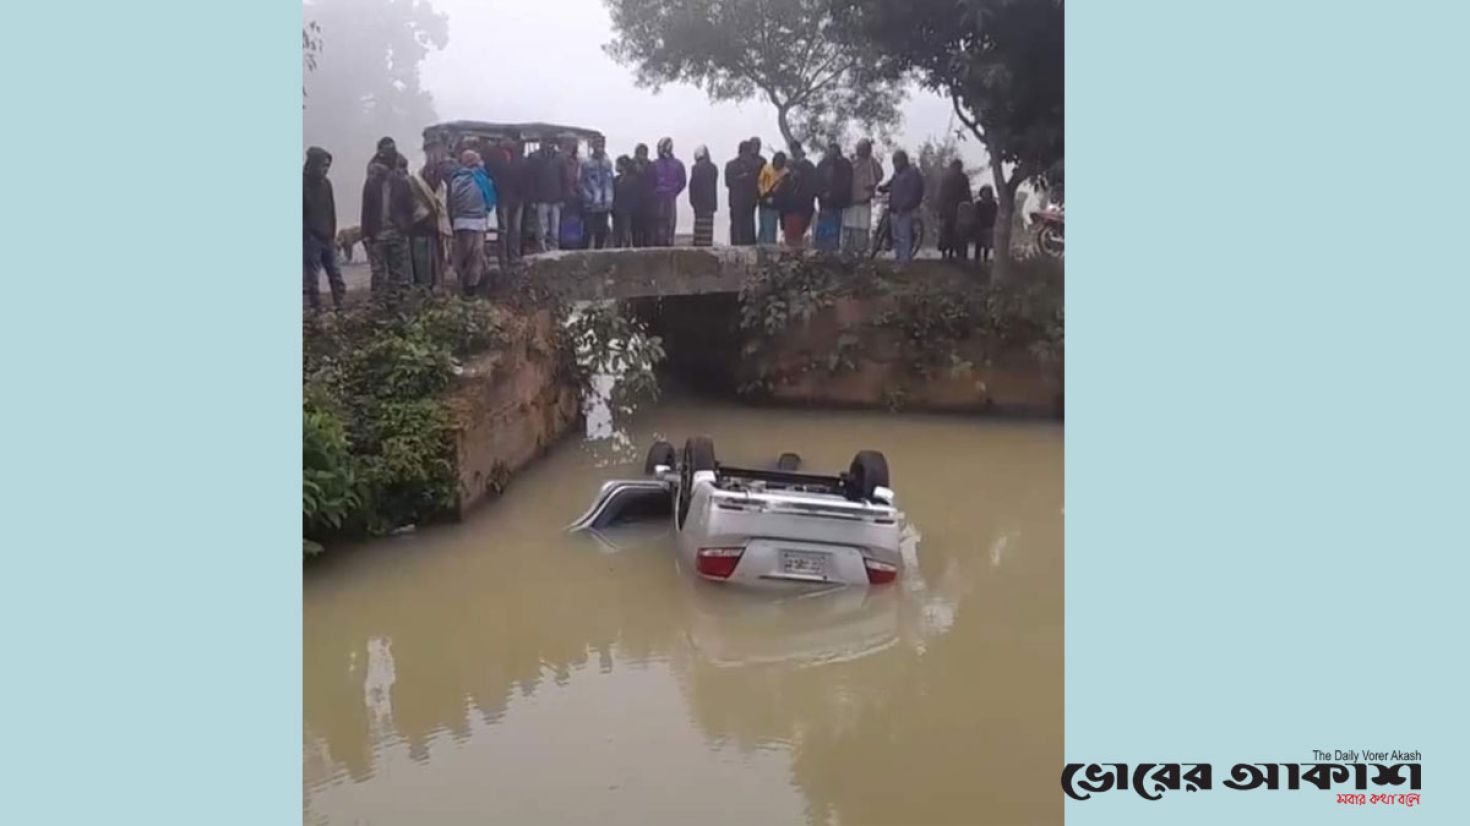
[
  {"x": 597, "y": 193},
  {"x": 471, "y": 200}
]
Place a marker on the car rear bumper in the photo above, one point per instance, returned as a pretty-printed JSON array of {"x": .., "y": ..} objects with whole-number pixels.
[{"x": 789, "y": 564}]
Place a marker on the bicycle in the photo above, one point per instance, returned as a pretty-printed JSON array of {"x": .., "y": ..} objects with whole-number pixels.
[{"x": 883, "y": 235}]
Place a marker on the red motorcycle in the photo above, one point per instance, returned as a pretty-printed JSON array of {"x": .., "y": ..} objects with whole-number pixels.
[{"x": 1048, "y": 224}]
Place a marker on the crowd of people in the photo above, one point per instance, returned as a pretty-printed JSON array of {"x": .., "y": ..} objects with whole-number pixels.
[{"x": 417, "y": 225}]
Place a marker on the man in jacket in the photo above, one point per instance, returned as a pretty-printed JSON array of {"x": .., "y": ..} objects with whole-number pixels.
[
  {"x": 387, "y": 154},
  {"x": 670, "y": 181},
  {"x": 471, "y": 198},
  {"x": 646, "y": 217},
  {"x": 319, "y": 222},
  {"x": 704, "y": 196},
  {"x": 834, "y": 191},
  {"x": 796, "y": 213},
  {"x": 596, "y": 184},
  {"x": 857, "y": 216},
  {"x": 387, "y": 219},
  {"x": 905, "y": 193},
  {"x": 627, "y": 201},
  {"x": 507, "y": 169},
  {"x": 742, "y": 178},
  {"x": 548, "y": 185}
]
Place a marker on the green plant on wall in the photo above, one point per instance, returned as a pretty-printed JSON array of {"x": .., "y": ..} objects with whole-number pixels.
[
  {"x": 608, "y": 342},
  {"x": 930, "y": 324},
  {"x": 377, "y": 435},
  {"x": 941, "y": 325}
]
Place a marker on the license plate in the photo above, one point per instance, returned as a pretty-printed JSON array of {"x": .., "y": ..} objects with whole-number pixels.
[{"x": 803, "y": 563}]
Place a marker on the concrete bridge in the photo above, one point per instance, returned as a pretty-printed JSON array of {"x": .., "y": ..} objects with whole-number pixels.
[{"x": 590, "y": 275}]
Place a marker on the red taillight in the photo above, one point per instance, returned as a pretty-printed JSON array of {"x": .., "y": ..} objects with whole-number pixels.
[
  {"x": 718, "y": 562},
  {"x": 880, "y": 572}
]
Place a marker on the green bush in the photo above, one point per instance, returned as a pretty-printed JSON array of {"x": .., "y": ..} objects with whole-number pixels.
[
  {"x": 377, "y": 437},
  {"x": 606, "y": 341},
  {"x": 329, "y": 485}
]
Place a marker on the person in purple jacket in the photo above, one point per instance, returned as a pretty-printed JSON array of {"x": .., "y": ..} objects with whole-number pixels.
[{"x": 671, "y": 179}]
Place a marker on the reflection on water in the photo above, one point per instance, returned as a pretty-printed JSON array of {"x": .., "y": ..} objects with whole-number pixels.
[{"x": 503, "y": 671}]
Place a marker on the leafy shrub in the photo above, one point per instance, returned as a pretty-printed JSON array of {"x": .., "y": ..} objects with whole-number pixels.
[
  {"x": 607, "y": 342},
  {"x": 377, "y": 437},
  {"x": 329, "y": 485}
]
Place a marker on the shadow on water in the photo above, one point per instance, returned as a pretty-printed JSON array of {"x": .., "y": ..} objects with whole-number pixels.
[{"x": 501, "y": 669}]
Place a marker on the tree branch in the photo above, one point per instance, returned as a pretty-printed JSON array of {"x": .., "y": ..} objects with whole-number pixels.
[
  {"x": 965, "y": 119},
  {"x": 821, "y": 82}
]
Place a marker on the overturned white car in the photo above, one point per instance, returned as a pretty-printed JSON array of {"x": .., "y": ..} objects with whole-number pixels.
[{"x": 776, "y": 527}]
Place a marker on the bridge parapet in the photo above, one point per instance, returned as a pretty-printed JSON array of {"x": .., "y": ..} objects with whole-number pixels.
[{"x": 588, "y": 275}]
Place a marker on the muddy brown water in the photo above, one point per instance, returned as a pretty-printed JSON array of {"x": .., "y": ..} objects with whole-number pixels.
[{"x": 502, "y": 671}]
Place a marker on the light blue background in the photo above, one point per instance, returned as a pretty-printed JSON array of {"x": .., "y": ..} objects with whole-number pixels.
[
  {"x": 150, "y": 597},
  {"x": 1266, "y": 498},
  {"x": 1267, "y": 378}
]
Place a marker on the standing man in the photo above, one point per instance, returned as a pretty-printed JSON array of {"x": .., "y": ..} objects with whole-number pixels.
[
  {"x": 954, "y": 189},
  {"x": 741, "y": 179},
  {"x": 596, "y": 180},
  {"x": 319, "y": 224},
  {"x": 430, "y": 224},
  {"x": 571, "y": 187},
  {"x": 547, "y": 185},
  {"x": 857, "y": 217},
  {"x": 627, "y": 200},
  {"x": 647, "y": 179},
  {"x": 387, "y": 154},
  {"x": 507, "y": 171},
  {"x": 834, "y": 191},
  {"x": 905, "y": 193},
  {"x": 704, "y": 196},
  {"x": 770, "y": 175},
  {"x": 796, "y": 215},
  {"x": 773, "y": 195},
  {"x": 758, "y": 164},
  {"x": 387, "y": 218},
  {"x": 471, "y": 199},
  {"x": 670, "y": 181}
]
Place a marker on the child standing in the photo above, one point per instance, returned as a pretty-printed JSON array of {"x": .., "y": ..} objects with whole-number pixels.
[{"x": 985, "y": 211}]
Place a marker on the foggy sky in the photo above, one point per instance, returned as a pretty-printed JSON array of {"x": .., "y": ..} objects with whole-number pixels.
[{"x": 542, "y": 60}]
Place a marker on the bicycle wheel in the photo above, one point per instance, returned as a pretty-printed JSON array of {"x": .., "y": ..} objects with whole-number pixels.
[{"x": 881, "y": 237}]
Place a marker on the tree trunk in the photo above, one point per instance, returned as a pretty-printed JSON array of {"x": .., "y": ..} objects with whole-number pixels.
[
  {"x": 785, "y": 125},
  {"x": 1005, "y": 195}
]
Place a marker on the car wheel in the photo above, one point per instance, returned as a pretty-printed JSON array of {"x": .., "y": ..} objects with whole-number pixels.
[
  {"x": 699, "y": 454},
  {"x": 869, "y": 470},
  {"x": 661, "y": 453}
]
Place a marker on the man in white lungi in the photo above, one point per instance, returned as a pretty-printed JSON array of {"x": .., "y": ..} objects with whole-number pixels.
[{"x": 857, "y": 218}]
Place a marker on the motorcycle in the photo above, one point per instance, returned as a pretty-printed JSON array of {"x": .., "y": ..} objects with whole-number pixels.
[{"x": 1048, "y": 224}]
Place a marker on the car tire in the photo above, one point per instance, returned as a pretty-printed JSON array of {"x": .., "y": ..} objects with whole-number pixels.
[
  {"x": 661, "y": 453},
  {"x": 869, "y": 470},
  {"x": 699, "y": 454},
  {"x": 788, "y": 462}
]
